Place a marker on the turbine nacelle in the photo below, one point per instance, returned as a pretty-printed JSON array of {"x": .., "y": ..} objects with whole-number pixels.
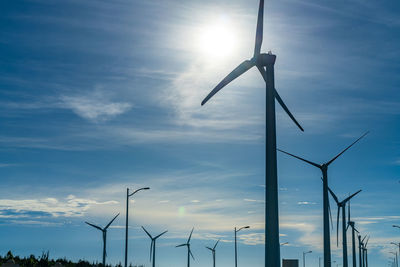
[{"x": 264, "y": 59}]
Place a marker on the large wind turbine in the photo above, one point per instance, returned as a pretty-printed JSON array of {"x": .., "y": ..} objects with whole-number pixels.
[
  {"x": 153, "y": 245},
  {"x": 342, "y": 205},
  {"x": 265, "y": 64},
  {"x": 324, "y": 169},
  {"x": 213, "y": 252},
  {"x": 187, "y": 244},
  {"x": 353, "y": 238},
  {"x": 104, "y": 231}
]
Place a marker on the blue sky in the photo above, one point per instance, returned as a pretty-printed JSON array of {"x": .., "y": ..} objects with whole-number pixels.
[{"x": 98, "y": 95}]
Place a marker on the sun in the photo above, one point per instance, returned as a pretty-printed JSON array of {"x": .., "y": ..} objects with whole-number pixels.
[{"x": 217, "y": 39}]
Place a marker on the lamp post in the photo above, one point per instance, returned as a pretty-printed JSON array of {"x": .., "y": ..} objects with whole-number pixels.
[
  {"x": 126, "y": 221},
  {"x": 304, "y": 257},
  {"x": 244, "y": 227}
]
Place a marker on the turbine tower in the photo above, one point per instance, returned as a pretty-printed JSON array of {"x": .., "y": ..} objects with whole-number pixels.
[
  {"x": 342, "y": 205},
  {"x": 187, "y": 244},
  {"x": 153, "y": 245},
  {"x": 324, "y": 169},
  {"x": 104, "y": 231},
  {"x": 265, "y": 64},
  {"x": 213, "y": 252},
  {"x": 353, "y": 238}
]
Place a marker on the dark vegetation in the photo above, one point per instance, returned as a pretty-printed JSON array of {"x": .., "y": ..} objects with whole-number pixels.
[{"x": 44, "y": 261}]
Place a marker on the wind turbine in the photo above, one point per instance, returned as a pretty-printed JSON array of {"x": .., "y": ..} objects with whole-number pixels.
[
  {"x": 187, "y": 244},
  {"x": 104, "y": 231},
  {"x": 366, "y": 252},
  {"x": 265, "y": 64},
  {"x": 324, "y": 169},
  {"x": 153, "y": 245},
  {"x": 213, "y": 252},
  {"x": 353, "y": 230},
  {"x": 361, "y": 250},
  {"x": 342, "y": 205}
]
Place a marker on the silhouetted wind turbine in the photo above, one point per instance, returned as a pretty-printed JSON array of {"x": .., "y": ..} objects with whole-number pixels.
[
  {"x": 397, "y": 245},
  {"x": 342, "y": 205},
  {"x": 213, "y": 252},
  {"x": 265, "y": 64},
  {"x": 324, "y": 169},
  {"x": 104, "y": 231},
  {"x": 153, "y": 245},
  {"x": 361, "y": 250},
  {"x": 353, "y": 239},
  {"x": 366, "y": 252},
  {"x": 187, "y": 244}
]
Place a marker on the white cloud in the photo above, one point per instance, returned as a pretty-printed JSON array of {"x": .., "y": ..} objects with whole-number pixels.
[
  {"x": 71, "y": 206},
  {"x": 94, "y": 106}
]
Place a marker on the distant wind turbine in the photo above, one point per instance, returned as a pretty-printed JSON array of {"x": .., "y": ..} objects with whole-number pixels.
[
  {"x": 324, "y": 169},
  {"x": 265, "y": 64},
  {"x": 366, "y": 252},
  {"x": 213, "y": 252},
  {"x": 360, "y": 251},
  {"x": 187, "y": 244},
  {"x": 153, "y": 245},
  {"x": 353, "y": 239},
  {"x": 104, "y": 231},
  {"x": 342, "y": 205}
]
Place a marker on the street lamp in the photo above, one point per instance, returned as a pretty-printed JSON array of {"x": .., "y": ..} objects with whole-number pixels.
[
  {"x": 126, "y": 225},
  {"x": 304, "y": 257},
  {"x": 244, "y": 227}
]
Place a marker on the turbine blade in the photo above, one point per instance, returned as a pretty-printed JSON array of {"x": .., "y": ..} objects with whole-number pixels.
[
  {"x": 147, "y": 233},
  {"x": 95, "y": 226},
  {"x": 191, "y": 254},
  {"x": 350, "y": 197},
  {"x": 160, "y": 234},
  {"x": 356, "y": 230},
  {"x": 209, "y": 248},
  {"x": 309, "y": 162},
  {"x": 242, "y": 68},
  {"x": 337, "y": 226},
  {"x": 279, "y": 99},
  {"x": 216, "y": 244},
  {"x": 259, "y": 32},
  {"x": 362, "y": 241},
  {"x": 366, "y": 243},
  {"x": 181, "y": 245},
  {"x": 190, "y": 236},
  {"x": 332, "y": 160},
  {"x": 330, "y": 214},
  {"x": 334, "y": 196},
  {"x": 283, "y": 105},
  {"x": 348, "y": 209},
  {"x": 108, "y": 225},
  {"x": 151, "y": 248}
]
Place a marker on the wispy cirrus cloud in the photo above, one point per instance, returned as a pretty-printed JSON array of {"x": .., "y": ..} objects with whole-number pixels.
[
  {"x": 94, "y": 106},
  {"x": 71, "y": 206}
]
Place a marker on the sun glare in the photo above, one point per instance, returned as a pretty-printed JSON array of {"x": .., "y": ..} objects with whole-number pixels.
[{"x": 217, "y": 39}]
